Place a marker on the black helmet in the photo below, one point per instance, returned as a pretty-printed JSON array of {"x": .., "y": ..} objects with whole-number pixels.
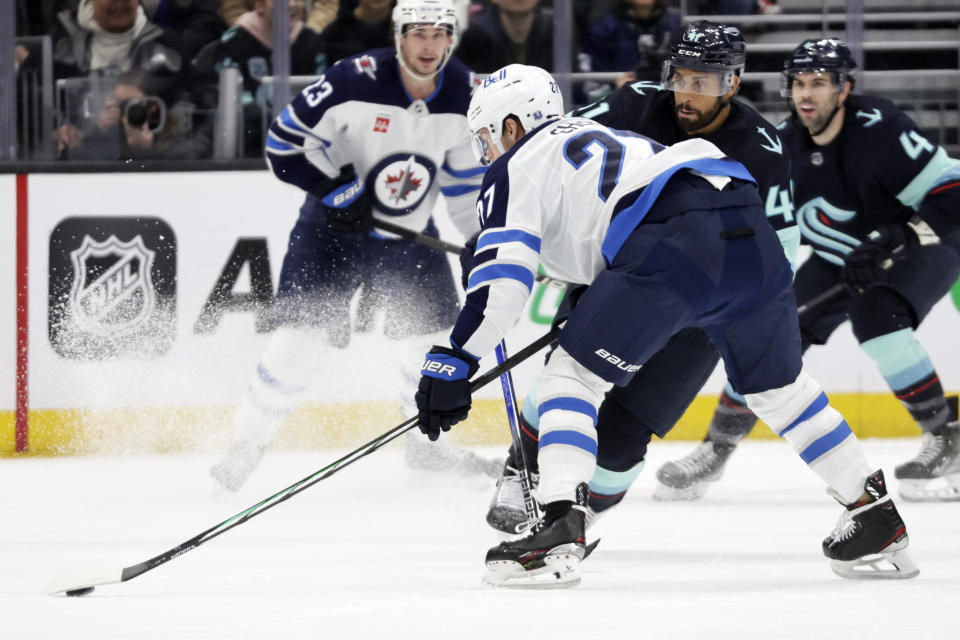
[
  {"x": 707, "y": 46},
  {"x": 826, "y": 55}
]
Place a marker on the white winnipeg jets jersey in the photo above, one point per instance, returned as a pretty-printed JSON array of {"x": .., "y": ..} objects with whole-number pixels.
[
  {"x": 550, "y": 199},
  {"x": 405, "y": 151}
]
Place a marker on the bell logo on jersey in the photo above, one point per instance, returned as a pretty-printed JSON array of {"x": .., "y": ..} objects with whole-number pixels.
[
  {"x": 400, "y": 182},
  {"x": 619, "y": 362},
  {"x": 381, "y": 125}
]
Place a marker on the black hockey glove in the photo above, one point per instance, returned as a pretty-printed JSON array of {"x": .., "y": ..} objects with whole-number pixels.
[
  {"x": 466, "y": 260},
  {"x": 348, "y": 208},
  {"x": 866, "y": 266},
  {"x": 443, "y": 396}
]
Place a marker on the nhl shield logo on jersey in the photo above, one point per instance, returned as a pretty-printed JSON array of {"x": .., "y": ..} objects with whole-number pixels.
[
  {"x": 112, "y": 291},
  {"x": 400, "y": 182}
]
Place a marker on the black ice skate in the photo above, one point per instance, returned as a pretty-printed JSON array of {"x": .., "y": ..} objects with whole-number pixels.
[
  {"x": 687, "y": 478},
  {"x": 508, "y": 511},
  {"x": 870, "y": 539},
  {"x": 549, "y": 555},
  {"x": 934, "y": 474}
]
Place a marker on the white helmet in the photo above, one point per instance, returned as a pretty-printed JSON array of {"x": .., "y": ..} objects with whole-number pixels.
[
  {"x": 438, "y": 13},
  {"x": 528, "y": 93}
]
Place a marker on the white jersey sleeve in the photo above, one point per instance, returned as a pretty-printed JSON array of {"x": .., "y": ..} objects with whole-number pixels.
[{"x": 550, "y": 200}]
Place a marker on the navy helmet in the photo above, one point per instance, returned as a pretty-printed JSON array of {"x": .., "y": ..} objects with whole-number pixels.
[
  {"x": 706, "y": 46},
  {"x": 819, "y": 55}
]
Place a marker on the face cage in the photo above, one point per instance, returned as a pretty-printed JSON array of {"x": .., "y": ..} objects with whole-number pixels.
[
  {"x": 726, "y": 76},
  {"x": 786, "y": 80}
]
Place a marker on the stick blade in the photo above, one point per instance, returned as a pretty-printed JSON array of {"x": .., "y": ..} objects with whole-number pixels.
[{"x": 68, "y": 582}]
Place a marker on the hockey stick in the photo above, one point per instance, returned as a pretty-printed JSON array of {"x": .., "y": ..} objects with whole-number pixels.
[
  {"x": 513, "y": 417},
  {"x": 80, "y": 584},
  {"x": 449, "y": 247}
]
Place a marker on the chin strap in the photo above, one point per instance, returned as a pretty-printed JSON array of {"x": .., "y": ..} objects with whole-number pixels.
[{"x": 833, "y": 114}]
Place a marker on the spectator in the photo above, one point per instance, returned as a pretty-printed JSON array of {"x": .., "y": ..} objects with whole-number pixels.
[
  {"x": 130, "y": 124},
  {"x": 322, "y": 12},
  {"x": 248, "y": 46},
  {"x": 196, "y": 21},
  {"x": 737, "y": 7},
  {"x": 507, "y": 32},
  {"x": 111, "y": 36},
  {"x": 635, "y": 37},
  {"x": 360, "y": 26}
]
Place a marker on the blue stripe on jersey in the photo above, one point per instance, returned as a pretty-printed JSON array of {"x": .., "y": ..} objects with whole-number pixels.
[
  {"x": 624, "y": 224},
  {"x": 569, "y": 404},
  {"x": 459, "y": 190},
  {"x": 815, "y": 407},
  {"x": 282, "y": 134},
  {"x": 825, "y": 443},
  {"x": 508, "y": 235},
  {"x": 516, "y": 272},
  {"x": 571, "y": 438},
  {"x": 286, "y": 118},
  {"x": 274, "y": 143},
  {"x": 464, "y": 173}
]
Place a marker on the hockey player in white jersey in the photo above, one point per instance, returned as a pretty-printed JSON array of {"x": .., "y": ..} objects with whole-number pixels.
[
  {"x": 666, "y": 237},
  {"x": 379, "y": 137}
]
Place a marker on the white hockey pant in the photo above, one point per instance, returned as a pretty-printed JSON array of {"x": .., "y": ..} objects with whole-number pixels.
[
  {"x": 570, "y": 396},
  {"x": 801, "y": 413}
]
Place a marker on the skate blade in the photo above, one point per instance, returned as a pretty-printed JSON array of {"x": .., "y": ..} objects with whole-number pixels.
[
  {"x": 890, "y": 565},
  {"x": 942, "y": 489},
  {"x": 560, "y": 570},
  {"x": 663, "y": 493}
]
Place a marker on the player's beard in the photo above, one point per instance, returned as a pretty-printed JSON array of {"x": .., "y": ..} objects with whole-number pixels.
[
  {"x": 702, "y": 119},
  {"x": 821, "y": 118}
]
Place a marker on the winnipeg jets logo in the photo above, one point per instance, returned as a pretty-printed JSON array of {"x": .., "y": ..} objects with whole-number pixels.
[
  {"x": 403, "y": 184},
  {"x": 112, "y": 288},
  {"x": 399, "y": 183}
]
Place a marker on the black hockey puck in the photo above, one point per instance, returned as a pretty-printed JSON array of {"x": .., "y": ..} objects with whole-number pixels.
[{"x": 76, "y": 593}]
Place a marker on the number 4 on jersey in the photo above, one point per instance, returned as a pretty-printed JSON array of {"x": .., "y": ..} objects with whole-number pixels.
[{"x": 779, "y": 204}]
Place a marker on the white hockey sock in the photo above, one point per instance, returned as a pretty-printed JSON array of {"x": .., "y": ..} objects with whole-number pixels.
[
  {"x": 569, "y": 395},
  {"x": 292, "y": 356},
  {"x": 801, "y": 413}
]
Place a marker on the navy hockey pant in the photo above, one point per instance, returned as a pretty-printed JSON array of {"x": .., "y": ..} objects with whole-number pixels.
[
  {"x": 717, "y": 266},
  {"x": 323, "y": 269}
]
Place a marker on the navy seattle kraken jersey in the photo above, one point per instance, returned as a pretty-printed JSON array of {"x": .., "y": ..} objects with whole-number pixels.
[
  {"x": 745, "y": 136},
  {"x": 876, "y": 172}
]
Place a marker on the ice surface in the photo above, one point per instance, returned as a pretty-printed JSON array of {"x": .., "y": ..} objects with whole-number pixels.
[{"x": 381, "y": 551}]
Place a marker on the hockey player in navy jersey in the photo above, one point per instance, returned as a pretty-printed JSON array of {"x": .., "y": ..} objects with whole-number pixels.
[
  {"x": 379, "y": 137},
  {"x": 695, "y": 99},
  {"x": 666, "y": 238},
  {"x": 871, "y": 192}
]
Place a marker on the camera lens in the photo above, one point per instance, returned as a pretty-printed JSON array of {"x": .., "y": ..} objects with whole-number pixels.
[{"x": 136, "y": 114}]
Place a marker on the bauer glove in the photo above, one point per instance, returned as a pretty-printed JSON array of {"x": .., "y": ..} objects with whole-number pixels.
[
  {"x": 443, "y": 396},
  {"x": 348, "y": 208}
]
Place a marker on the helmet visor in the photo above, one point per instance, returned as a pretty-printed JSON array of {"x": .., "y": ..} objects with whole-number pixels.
[
  {"x": 704, "y": 82},
  {"x": 480, "y": 142}
]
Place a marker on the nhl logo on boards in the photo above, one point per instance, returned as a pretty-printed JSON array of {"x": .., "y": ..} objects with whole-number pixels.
[
  {"x": 399, "y": 183},
  {"x": 381, "y": 125},
  {"x": 112, "y": 291},
  {"x": 112, "y": 288}
]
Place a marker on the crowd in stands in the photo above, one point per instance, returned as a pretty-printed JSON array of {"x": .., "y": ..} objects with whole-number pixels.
[{"x": 141, "y": 75}]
